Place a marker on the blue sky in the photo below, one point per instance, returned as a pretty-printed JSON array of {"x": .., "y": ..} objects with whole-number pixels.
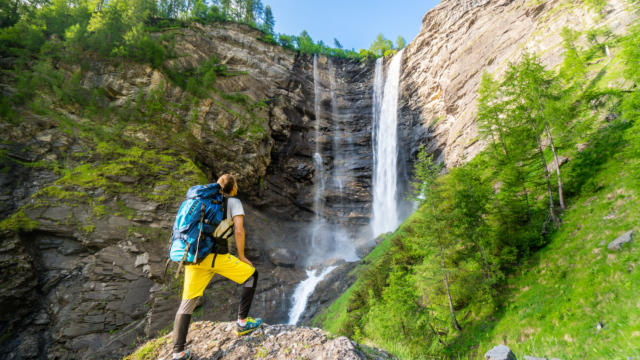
[{"x": 355, "y": 23}]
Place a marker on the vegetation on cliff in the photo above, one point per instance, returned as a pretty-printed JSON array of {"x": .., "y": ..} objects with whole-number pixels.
[
  {"x": 125, "y": 28},
  {"x": 512, "y": 247}
]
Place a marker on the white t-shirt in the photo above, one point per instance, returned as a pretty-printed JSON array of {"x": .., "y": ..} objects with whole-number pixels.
[{"x": 234, "y": 208}]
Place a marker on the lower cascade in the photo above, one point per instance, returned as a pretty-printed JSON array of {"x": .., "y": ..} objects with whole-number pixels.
[{"x": 304, "y": 290}]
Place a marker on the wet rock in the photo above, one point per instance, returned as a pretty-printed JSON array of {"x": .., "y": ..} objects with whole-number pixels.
[
  {"x": 329, "y": 289},
  {"x": 621, "y": 240},
  {"x": 500, "y": 352}
]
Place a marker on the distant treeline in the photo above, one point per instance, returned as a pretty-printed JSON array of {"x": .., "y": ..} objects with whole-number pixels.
[{"x": 122, "y": 27}]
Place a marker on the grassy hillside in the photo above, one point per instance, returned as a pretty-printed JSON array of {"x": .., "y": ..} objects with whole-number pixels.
[{"x": 482, "y": 263}]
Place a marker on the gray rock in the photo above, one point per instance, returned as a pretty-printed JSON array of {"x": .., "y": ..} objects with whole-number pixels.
[
  {"x": 57, "y": 213},
  {"x": 500, "y": 352},
  {"x": 283, "y": 257},
  {"x": 210, "y": 340},
  {"x": 621, "y": 240},
  {"x": 142, "y": 259},
  {"x": 553, "y": 166},
  {"x": 526, "y": 357}
]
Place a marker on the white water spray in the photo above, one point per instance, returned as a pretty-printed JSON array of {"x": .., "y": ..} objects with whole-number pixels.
[
  {"x": 385, "y": 146},
  {"x": 304, "y": 290}
]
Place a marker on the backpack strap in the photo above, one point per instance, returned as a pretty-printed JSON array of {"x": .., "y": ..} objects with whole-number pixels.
[
  {"x": 225, "y": 201},
  {"x": 201, "y": 225}
]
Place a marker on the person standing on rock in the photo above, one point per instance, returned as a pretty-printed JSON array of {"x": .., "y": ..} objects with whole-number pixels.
[{"x": 238, "y": 269}]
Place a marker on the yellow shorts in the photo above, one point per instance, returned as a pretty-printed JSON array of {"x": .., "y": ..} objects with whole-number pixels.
[{"x": 197, "y": 276}]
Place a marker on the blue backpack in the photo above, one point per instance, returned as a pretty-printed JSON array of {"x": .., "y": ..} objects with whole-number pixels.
[{"x": 199, "y": 215}]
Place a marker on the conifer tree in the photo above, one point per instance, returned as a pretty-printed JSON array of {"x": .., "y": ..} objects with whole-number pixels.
[
  {"x": 269, "y": 21},
  {"x": 529, "y": 87}
]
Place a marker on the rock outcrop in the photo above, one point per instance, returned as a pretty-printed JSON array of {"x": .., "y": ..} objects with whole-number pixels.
[
  {"x": 461, "y": 39},
  {"x": 619, "y": 242},
  {"x": 209, "y": 341}
]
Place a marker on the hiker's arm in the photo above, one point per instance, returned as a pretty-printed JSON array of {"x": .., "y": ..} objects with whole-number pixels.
[{"x": 238, "y": 233}]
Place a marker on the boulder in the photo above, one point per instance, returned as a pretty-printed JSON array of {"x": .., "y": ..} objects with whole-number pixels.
[
  {"x": 216, "y": 340},
  {"x": 553, "y": 166},
  {"x": 621, "y": 240},
  {"x": 500, "y": 352}
]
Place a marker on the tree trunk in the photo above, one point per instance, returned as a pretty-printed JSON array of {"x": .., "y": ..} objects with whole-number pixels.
[
  {"x": 555, "y": 157},
  {"x": 485, "y": 265},
  {"x": 446, "y": 284},
  {"x": 550, "y": 191},
  {"x": 526, "y": 195},
  {"x": 504, "y": 146},
  {"x": 524, "y": 186}
]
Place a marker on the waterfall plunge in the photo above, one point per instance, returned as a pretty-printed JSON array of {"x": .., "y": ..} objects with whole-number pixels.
[
  {"x": 327, "y": 240},
  {"x": 304, "y": 290},
  {"x": 385, "y": 146}
]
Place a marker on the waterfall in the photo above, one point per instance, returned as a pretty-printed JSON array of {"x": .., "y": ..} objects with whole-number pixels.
[
  {"x": 328, "y": 241},
  {"x": 318, "y": 164},
  {"x": 385, "y": 146},
  {"x": 304, "y": 290},
  {"x": 338, "y": 156}
]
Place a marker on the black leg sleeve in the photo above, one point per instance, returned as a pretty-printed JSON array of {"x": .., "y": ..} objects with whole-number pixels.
[
  {"x": 180, "y": 330},
  {"x": 248, "y": 291}
]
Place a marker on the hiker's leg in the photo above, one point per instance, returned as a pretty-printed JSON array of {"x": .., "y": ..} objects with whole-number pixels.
[
  {"x": 239, "y": 272},
  {"x": 248, "y": 290},
  {"x": 196, "y": 279},
  {"x": 181, "y": 323}
]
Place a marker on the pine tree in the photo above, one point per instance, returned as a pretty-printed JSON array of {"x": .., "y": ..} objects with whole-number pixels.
[
  {"x": 226, "y": 9},
  {"x": 269, "y": 21},
  {"x": 530, "y": 88},
  {"x": 248, "y": 16},
  {"x": 258, "y": 11}
]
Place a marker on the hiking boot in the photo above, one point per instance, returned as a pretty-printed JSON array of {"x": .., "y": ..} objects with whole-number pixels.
[
  {"x": 251, "y": 325},
  {"x": 185, "y": 355}
]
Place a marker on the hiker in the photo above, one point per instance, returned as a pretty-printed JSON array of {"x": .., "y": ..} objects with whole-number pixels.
[{"x": 197, "y": 276}]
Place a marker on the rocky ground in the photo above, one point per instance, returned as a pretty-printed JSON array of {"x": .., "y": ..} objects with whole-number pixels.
[{"x": 213, "y": 341}]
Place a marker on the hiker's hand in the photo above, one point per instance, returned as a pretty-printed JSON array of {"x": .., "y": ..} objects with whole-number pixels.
[{"x": 245, "y": 260}]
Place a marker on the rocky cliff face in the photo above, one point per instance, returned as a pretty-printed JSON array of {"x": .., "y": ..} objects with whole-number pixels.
[
  {"x": 460, "y": 39},
  {"x": 84, "y": 273}
]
